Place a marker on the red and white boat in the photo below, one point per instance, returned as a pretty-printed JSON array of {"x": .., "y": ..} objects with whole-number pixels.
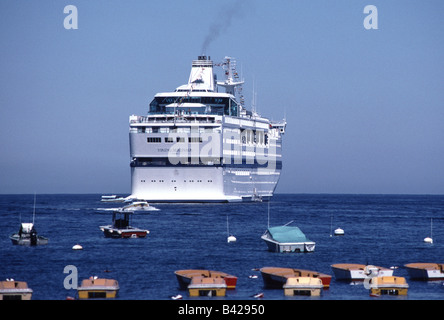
[
  {"x": 184, "y": 277},
  {"x": 358, "y": 272},
  {"x": 121, "y": 227},
  {"x": 425, "y": 271}
]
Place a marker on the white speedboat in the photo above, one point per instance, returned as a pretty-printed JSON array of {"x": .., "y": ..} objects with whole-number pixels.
[{"x": 139, "y": 206}]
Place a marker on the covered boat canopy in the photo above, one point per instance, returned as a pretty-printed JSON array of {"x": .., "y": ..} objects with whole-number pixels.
[
  {"x": 286, "y": 234},
  {"x": 27, "y": 227}
]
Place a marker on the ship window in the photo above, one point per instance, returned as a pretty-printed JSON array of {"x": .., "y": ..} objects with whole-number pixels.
[
  {"x": 233, "y": 109},
  {"x": 169, "y": 139},
  {"x": 210, "y": 129},
  {"x": 155, "y": 107},
  {"x": 213, "y": 105},
  {"x": 96, "y": 294},
  {"x": 183, "y": 130},
  {"x": 194, "y": 139},
  {"x": 153, "y": 140}
]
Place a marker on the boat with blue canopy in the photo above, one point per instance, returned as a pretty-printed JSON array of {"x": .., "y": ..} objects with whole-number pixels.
[{"x": 287, "y": 239}]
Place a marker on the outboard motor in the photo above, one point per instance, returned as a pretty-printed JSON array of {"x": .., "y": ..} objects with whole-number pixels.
[{"x": 33, "y": 236}]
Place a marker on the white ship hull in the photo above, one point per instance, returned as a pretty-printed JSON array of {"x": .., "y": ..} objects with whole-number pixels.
[
  {"x": 199, "y": 145},
  {"x": 201, "y": 184}
]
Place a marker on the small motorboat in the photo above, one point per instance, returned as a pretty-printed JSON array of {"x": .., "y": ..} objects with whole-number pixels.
[
  {"x": 184, "y": 277},
  {"x": 358, "y": 272},
  {"x": 121, "y": 227},
  {"x": 98, "y": 288},
  {"x": 275, "y": 277},
  {"x": 27, "y": 236},
  {"x": 425, "y": 271},
  {"x": 207, "y": 286},
  {"x": 388, "y": 285},
  {"x": 303, "y": 286},
  {"x": 287, "y": 239},
  {"x": 14, "y": 290}
]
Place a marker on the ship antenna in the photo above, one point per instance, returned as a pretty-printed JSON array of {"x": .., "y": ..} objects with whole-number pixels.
[
  {"x": 431, "y": 228},
  {"x": 253, "y": 106},
  {"x": 33, "y": 213},
  {"x": 288, "y": 223}
]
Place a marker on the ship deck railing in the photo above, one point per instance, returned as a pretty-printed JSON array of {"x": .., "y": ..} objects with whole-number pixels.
[{"x": 178, "y": 119}]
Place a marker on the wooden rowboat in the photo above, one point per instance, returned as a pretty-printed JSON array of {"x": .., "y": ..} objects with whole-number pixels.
[
  {"x": 425, "y": 271},
  {"x": 275, "y": 277},
  {"x": 358, "y": 272},
  {"x": 184, "y": 277}
]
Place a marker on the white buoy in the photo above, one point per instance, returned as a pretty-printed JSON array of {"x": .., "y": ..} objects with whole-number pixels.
[
  {"x": 231, "y": 239},
  {"x": 430, "y": 239},
  {"x": 339, "y": 232},
  {"x": 77, "y": 247}
]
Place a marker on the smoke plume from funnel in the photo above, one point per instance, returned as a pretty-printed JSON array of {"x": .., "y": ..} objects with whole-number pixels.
[{"x": 221, "y": 23}]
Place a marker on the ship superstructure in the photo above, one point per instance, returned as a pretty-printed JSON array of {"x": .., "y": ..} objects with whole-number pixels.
[{"x": 197, "y": 144}]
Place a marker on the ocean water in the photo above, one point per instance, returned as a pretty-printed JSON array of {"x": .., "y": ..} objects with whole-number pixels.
[{"x": 384, "y": 230}]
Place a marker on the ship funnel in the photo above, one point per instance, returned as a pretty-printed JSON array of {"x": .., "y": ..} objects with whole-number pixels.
[{"x": 201, "y": 76}]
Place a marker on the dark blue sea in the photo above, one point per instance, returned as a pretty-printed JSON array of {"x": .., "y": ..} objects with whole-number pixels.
[{"x": 384, "y": 230}]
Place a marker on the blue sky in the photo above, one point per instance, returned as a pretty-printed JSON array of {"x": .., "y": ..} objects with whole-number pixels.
[{"x": 365, "y": 108}]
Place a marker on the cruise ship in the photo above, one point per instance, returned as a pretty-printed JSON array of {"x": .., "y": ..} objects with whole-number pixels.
[{"x": 199, "y": 143}]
